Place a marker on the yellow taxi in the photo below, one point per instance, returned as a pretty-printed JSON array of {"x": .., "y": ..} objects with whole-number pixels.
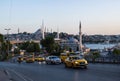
[
  {"x": 20, "y": 59},
  {"x": 39, "y": 58},
  {"x": 63, "y": 56},
  {"x": 30, "y": 59},
  {"x": 76, "y": 61},
  {"x": 24, "y": 57}
]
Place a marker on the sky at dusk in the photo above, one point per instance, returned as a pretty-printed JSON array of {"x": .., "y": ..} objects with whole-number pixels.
[{"x": 96, "y": 16}]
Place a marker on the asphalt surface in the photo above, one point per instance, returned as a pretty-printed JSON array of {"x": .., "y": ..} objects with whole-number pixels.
[
  {"x": 3, "y": 75},
  {"x": 42, "y": 72}
]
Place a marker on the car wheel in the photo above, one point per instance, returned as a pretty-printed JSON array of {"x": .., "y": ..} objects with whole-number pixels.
[
  {"x": 73, "y": 66},
  {"x": 46, "y": 62},
  {"x": 66, "y": 65},
  {"x": 85, "y": 67}
]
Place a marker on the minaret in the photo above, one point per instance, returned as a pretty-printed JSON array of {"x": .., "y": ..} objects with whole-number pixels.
[
  {"x": 80, "y": 39},
  {"x": 57, "y": 33},
  {"x": 43, "y": 35},
  {"x": 18, "y": 33},
  {"x": 51, "y": 31},
  {"x": 47, "y": 30},
  {"x": 18, "y": 30}
]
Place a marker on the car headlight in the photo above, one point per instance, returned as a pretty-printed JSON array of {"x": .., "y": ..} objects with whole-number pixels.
[
  {"x": 86, "y": 62},
  {"x": 76, "y": 62}
]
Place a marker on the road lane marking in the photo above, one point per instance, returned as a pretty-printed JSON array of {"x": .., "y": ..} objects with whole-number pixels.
[{"x": 19, "y": 75}]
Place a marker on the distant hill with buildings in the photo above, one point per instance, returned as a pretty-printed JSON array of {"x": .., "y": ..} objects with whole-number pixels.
[{"x": 37, "y": 35}]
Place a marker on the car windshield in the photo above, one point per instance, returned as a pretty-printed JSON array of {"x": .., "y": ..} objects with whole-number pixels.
[
  {"x": 76, "y": 58},
  {"x": 53, "y": 57}
]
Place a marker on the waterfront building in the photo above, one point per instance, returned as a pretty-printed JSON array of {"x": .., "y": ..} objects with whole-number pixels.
[{"x": 74, "y": 44}]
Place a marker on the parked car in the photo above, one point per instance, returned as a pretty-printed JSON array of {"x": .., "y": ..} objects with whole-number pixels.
[
  {"x": 76, "y": 61},
  {"x": 53, "y": 60}
]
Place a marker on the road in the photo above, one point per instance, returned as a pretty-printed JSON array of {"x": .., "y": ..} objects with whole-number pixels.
[{"x": 43, "y": 72}]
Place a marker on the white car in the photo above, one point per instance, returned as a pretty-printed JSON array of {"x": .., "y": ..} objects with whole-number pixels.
[{"x": 53, "y": 60}]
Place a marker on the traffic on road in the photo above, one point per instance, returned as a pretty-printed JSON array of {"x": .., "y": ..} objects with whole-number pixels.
[
  {"x": 40, "y": 71},
  {"x": 59, "y": 68}
]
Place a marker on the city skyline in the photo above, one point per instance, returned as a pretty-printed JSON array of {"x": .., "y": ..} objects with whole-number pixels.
[{"x": 96, "y": 16}]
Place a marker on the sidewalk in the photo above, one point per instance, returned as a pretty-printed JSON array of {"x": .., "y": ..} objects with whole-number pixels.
[{"x": 4, "y": 76}]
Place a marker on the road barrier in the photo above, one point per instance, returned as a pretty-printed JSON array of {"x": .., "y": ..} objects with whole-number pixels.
[{"x": 113, "y": 60}]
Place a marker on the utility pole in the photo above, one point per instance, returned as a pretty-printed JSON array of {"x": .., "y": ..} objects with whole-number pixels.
[{"x": 8, "y": 39}]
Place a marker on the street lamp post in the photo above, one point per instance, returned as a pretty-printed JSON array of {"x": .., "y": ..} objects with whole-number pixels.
[{"x": 8, "y": 39}]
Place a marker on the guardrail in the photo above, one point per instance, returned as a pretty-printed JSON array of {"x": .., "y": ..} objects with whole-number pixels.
[{"x": 113, "y": 60}]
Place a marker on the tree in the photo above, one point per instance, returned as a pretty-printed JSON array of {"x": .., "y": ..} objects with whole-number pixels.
[
  {"x": 4, "y": 47},
  {"x": 16, "y": 51},
  {"x": 116, "y": 52},
  {"x": 36, "y": 47},
  {"x": 63, "y": 35},
  {"x": 48, "y": 44},
  {"x": 24, "y": 45},
  {"x": 30, "y": 46},
  {"x": 95, "y": 55},
  {"x": 57, "y": 47},
  {"x": 65, "y": 47},
  {"x": 1, "y": 38}
]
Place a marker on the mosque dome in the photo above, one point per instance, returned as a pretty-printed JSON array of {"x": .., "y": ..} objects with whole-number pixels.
[{"x": 73, "y": 40}]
